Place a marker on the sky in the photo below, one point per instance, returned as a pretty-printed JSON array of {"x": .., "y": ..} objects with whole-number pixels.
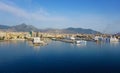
[{"x": 100, "y": 15}]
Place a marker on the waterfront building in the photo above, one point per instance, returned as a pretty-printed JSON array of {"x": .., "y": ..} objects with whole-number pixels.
[{"x": 33, "y": 34}]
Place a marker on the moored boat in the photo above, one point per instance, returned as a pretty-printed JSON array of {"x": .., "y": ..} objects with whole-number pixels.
[
  {"x": 98, "y": 38},
  {"x": 36, "y": 40},
  {"x": 80, "y": 42},
  {"x": 72, "y": 38},
  {"x": 114, "y": 39}
]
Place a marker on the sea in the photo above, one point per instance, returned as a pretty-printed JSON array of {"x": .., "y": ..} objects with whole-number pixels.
[{"x": 59, "y": 57}]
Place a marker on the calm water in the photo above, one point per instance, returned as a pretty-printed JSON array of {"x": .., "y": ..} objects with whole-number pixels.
[{"x": 59, "y": 57}]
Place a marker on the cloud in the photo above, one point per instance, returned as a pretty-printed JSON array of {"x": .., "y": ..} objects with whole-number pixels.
[
  {"x": 39, "y": 15},
  {"x": 14, "y": 10},
  {"x": 100, "y": 22}
]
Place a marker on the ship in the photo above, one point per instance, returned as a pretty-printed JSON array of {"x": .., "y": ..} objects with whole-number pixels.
[
  {"x": 114, "y": 39},
  {"x": 36, "y": 40}
]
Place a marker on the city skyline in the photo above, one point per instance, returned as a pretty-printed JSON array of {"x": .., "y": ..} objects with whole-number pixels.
[{"x": 100, "y": 15}]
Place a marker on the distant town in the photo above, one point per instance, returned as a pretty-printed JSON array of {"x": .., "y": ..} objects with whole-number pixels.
[
  {"x": 70, "y": 35},
  {"x": 6, "y": 35}
]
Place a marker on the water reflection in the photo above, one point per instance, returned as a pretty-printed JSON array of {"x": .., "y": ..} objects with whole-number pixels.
[
  {"x": 2, "y": 43},
  {"x": 36, "y": 48},
  {"x": 80, "y": 45},
  {"x": 10, "y": 42},
  {"x": 72, "y": 45},
  {"x": 29, "y": 43},
  {"x": 114, "y": 44},
  {"x": 101, "y": 43}
]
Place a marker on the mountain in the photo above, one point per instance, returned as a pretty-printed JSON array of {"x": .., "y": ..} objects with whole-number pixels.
[
  {"x": 51, "y": 30},
  {"x": 23, "y": 27},
  {"x": 72, "y": 31},
  {"x": 26, "y": 28},
  {"x": 80, "y": 30},
  {"x": 4, "y": 27}
]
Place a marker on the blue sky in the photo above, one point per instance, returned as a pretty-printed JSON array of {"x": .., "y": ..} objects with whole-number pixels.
[{"x": 100, "y": 15}]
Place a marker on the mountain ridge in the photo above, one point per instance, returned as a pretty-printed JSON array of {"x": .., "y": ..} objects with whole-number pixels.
[
  {"x": 26, "y": 28},
  {"x": 4, "y": 26}
]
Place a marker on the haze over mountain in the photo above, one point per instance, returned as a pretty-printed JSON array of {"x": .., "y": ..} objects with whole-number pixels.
[
  {"x": 80, "y": 30},
  {"x": 23, "y": 27},
  {"x": 26, "y": 28},
  {"x": 4, "y": 27}
]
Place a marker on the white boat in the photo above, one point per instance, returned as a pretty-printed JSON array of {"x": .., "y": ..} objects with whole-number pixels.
[
  {"x": 80, "y": 42},
  {"x": 53, "y": 38},
  {"x": 36, "y": 40},
  {"x": 114, "y": 39},
  {"x": 98, "y": 38},
  {"x": 72, "y": 38}
]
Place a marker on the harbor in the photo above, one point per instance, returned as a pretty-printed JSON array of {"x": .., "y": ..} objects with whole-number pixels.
[
  {"x": 59, "y": 36},
  {"x": 56, "y": 51},
  {"x": 40, "y": 38}
]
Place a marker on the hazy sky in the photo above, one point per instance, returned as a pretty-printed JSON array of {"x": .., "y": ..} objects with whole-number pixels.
[{"x": 101, "y": 15}]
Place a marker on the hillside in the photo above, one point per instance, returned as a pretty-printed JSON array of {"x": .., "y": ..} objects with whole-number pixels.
[{"x": 26, "y": 28}]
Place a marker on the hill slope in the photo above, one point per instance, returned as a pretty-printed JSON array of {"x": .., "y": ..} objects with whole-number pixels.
[
  {"x": 4, "y": 27},
  {"x": 26, "y": 28}
]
